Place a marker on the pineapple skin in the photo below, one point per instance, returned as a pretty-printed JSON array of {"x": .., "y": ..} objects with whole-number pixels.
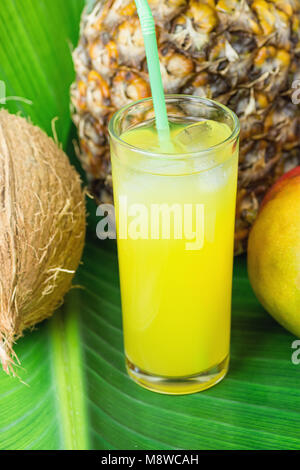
[{"x": 242, "y": 53}]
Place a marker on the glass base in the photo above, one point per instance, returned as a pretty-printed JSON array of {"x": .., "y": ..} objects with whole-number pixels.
[{"x": 178, "y": 385}]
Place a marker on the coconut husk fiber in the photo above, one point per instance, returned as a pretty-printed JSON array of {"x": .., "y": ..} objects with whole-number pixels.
[{"x": 42, "y": 220}]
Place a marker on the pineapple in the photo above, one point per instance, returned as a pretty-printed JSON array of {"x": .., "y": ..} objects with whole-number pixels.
[{"x": 243, "y": 53}]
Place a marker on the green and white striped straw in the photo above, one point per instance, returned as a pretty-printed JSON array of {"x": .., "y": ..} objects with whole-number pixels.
[{"x": 157, "y": 90}]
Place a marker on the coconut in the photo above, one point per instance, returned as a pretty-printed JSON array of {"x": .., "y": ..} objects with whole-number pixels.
[{"x": 42, "y": 220}]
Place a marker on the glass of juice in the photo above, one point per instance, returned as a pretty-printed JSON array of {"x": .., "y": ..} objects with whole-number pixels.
[{"x": 175, "y": 202}]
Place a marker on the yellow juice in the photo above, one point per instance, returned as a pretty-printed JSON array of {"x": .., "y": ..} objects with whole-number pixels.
[{"x": 176, "y": 290}]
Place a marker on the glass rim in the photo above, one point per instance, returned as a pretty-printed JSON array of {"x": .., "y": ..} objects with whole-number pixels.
[{"x": 176, "y": 156}]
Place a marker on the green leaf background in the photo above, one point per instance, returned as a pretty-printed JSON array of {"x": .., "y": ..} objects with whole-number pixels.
[{"x": 78, "y": 395}]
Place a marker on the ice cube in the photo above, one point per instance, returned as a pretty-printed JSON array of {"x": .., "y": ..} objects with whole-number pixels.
[
  {"x": 201, "y": 136},
  {"x": 212, "y": 180}
]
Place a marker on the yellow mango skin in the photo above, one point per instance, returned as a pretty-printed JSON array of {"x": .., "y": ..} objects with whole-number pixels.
[{"x": 274, "y": 256}]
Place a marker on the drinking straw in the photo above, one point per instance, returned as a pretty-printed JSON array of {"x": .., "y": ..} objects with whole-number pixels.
[{"x": 157, "y": 90}]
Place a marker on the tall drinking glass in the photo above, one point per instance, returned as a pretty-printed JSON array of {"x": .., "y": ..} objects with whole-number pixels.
[{"x": 175, "y": 210}]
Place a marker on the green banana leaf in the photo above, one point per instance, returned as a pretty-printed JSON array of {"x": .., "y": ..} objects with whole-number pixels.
[
  {"x": 79, "y": 396},
  {"x": 76, "y": 393},
  {"x": 36, "y": 37}
]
